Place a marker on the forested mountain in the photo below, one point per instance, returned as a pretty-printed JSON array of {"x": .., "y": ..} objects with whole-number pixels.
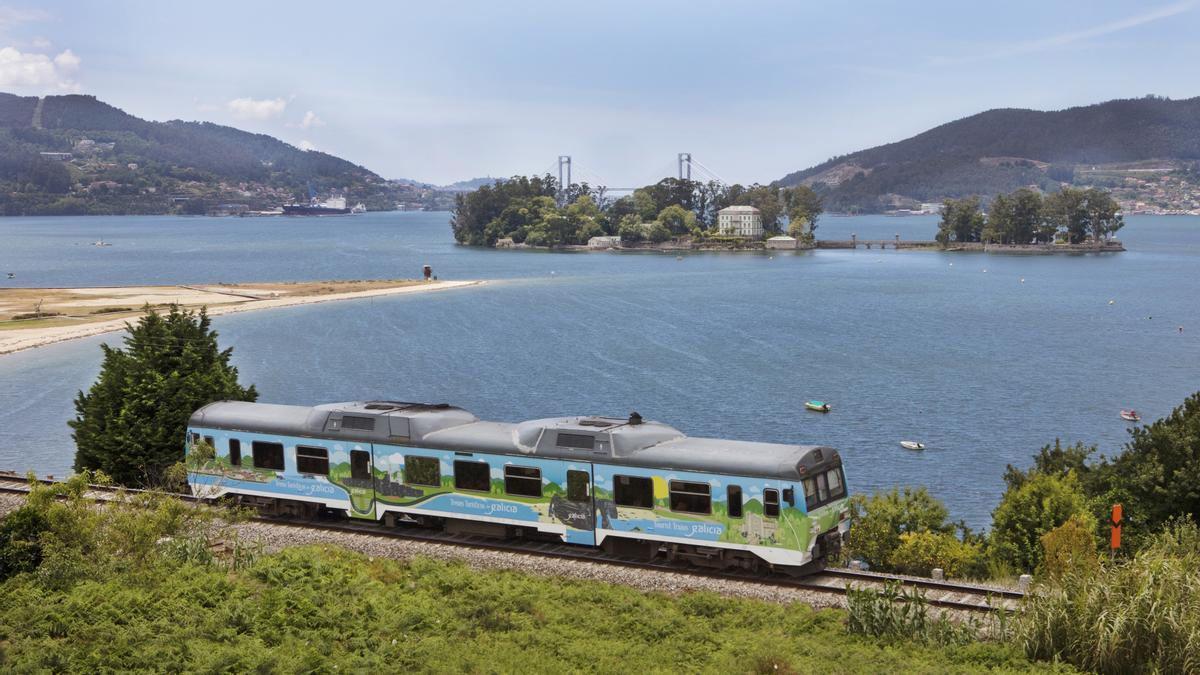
[
  {"x": 1005, "y": 149},
  {"x": 119, "y": 163}
]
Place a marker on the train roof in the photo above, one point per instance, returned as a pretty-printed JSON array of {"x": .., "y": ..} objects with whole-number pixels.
[{"x": 610, "y": 440}]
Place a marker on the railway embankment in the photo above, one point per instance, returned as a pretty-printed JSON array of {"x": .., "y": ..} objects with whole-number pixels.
[
  {"x": 121, "y": 588},
  {"x": 35, "y": 317}
]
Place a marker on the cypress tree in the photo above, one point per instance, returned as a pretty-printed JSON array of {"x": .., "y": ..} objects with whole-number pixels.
[{"x": 131, "y": 423}]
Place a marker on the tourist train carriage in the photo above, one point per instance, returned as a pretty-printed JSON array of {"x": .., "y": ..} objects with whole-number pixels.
[{"x": 629, "y": 486}]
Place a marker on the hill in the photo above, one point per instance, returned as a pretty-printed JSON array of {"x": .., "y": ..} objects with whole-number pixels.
[
  {"x": 1004, "y": 149},
  {"x": 76, "y": 154}
]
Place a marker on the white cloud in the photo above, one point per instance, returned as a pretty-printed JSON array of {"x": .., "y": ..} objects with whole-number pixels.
[
  {"x": 27, "y": 69},
  {"x": 310, "y": 120},
  {"x": 12, "y": 16},
  {"x": 257, "y": 109},
  {"x": 306, "y": 145},
  {"x": 1071, "y": 37},
  {"x": 41, "y": 43}
]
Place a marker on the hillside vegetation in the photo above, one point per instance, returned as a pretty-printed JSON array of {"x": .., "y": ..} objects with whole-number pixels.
[
  {"x": 1005, "y": 149},
  {"x": 123, "y": 164}
]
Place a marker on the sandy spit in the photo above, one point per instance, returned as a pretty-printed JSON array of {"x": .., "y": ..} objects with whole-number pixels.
[{"x": 29, "y": 338}]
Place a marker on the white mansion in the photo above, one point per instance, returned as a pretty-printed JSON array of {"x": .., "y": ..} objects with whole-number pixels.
[{"x": 740, "y": 221}]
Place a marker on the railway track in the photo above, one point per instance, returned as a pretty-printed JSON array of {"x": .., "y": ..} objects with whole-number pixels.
[{"x": 834, "y": 581}]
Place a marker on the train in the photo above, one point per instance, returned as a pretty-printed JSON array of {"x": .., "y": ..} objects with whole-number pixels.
[{"x": 631, "y": 487}]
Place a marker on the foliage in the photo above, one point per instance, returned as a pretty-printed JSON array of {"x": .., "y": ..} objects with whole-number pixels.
[
  {"x": 1080, "y": 214},
  {"x": 131, "y": 422},
  {"x": 920, "y": 552},
  {"x": 804, "y": 207},
  {"x": 1070, "y": 546},
  {"x": 163, "y": 602},
  {"x": 1017, "y": 218},
  {"x": 881, "y": 519},
  {"x": 1157, "y": 475},
  {"x": 1129, "y": 616},
  {"x": 998, "y": 150},
  {"x": 20, "y": 541},
  {"x": 962, "y": 221},
  {"x": 676, "y": 220},
  {"x": 1042, "y": 503},
  {"x": 898, "y": 615}
]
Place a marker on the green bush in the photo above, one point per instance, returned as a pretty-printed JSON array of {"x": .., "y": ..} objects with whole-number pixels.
[
  {"x": 920, "y": 552},
  {"x": 896, "y": 614},
  {"x": 1070, "y": 546},
  {"x": 1040, "y": 504},
  {"x": 1134, "y": 616},
  {"x": 20, "y": 541},
  {"x": 880, "y": 519}
]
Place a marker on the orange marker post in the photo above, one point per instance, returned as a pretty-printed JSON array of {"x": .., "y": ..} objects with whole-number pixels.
[{"x": 1117, "y": 513}]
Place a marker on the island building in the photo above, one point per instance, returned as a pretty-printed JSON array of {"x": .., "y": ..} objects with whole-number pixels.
[
  {"x": 604, "y": 242},
  {"x": 740, "y": 221},
  {"x": 783, "y": 242}
]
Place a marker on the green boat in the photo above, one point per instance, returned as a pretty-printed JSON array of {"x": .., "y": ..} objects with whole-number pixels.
[{"x": 817, "y": 406}]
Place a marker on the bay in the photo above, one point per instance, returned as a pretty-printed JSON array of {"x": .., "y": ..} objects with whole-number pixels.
[{"x": 952, "y": 349}]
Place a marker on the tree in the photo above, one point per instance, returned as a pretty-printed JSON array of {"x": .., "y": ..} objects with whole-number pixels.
[
  {"x": 131, "y": 423},
  {"x": 677, "y": 220},
  {"x": 1025, "y": 514},
  {"x": 1067, "y": 211},
  {"x": 881, "y": 519},
  {"x": 1157, "y": 476},
  {"x": 803, "y": 208},
  {"x": 962, "y": 221},
  {"x": 630, "y": 229}
]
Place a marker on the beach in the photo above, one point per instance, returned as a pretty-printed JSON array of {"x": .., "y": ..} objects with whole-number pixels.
[{"x": 72, "y": 313}]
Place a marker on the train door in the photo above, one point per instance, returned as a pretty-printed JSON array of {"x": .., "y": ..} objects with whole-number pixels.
[
  {"x": 361, "y": 484},
  {"x": 580, "y": 508}
]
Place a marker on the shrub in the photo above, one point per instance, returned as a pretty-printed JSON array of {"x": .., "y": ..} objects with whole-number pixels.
[
  {"x": 879, "y": 520},
  {"x": 920, "y": 552},
  {"x": 1070, "y": 546},
  {"x": 20, "y": 545},
  {"x": 1042, "y": 503},
  {"x": 1132, "y": 616},
  {"x": 898, "y": 615}
]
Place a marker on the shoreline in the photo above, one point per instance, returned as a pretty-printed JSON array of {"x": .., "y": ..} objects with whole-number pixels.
[{"x": 22, "y": 339}]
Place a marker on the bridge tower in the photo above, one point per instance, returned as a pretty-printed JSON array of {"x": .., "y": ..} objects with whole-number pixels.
[{"x": 685, "y": 166}]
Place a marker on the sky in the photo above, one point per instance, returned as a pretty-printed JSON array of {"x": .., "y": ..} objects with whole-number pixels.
[{"x": 445, "y": 91}]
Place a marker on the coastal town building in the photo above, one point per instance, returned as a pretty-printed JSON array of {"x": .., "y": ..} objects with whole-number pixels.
[
  {"x": 604, "y": 242},
  {"x": 740, "y": 221},
  {"x": 60, "y": 156}
]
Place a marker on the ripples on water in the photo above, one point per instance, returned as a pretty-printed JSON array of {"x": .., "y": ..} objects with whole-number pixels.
[{"x": 981, "y": 367}]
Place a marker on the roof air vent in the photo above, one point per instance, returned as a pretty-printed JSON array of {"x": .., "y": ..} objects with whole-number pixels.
[{"x": 634, "y": 418}]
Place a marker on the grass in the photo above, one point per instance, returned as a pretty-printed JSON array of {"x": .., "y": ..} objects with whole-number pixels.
[
  {"x": 324, "y": 609},
  {"x": 136, "y": 586}
]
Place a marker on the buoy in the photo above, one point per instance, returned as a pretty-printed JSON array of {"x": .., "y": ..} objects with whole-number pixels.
[
  {"x": 552, "y": 272},
  {"x": 952, "y": 264},
  {"x": 1112, "y": 302},
  {"x": 985, "y": 270},
  {"x": 1022, "y": 279}
]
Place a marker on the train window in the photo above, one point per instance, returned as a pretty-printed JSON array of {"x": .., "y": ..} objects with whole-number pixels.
[
  {"x": 810, "y": 494},
  {"x": 579, "y": 441},
  {"x": 733, "y": 495},
  {"x": 235, "y": 452},
  {"x": 634, "y": 491},
  {"x": 195, "y": 438},
  {"x": 360, "y": 465},
  {"x": 837, "y": 489},
  {"x": 690, "y": 497},
  {"x": 822, "y": 488},
  {"x": 789, "y": 496},
  {"x": 211, "y": 442},
  {"x": 472, "y": 476},
  {"x": 312, "y": 460},
  {"x": 423, "y": 471},
  {"x": 771, "y": 503},
  {"x": 267, "y": 455},
  {"x": 523, "y": 481},
  {"x": 577, "y": 486}
]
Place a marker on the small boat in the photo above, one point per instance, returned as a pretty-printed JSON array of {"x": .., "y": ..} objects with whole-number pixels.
[
  {"x": 1131, "y": 416},
  {"x": 912, "y": 445},
  {"x": 101, "y": 242},
  {"x": 817, "y": 406}
]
